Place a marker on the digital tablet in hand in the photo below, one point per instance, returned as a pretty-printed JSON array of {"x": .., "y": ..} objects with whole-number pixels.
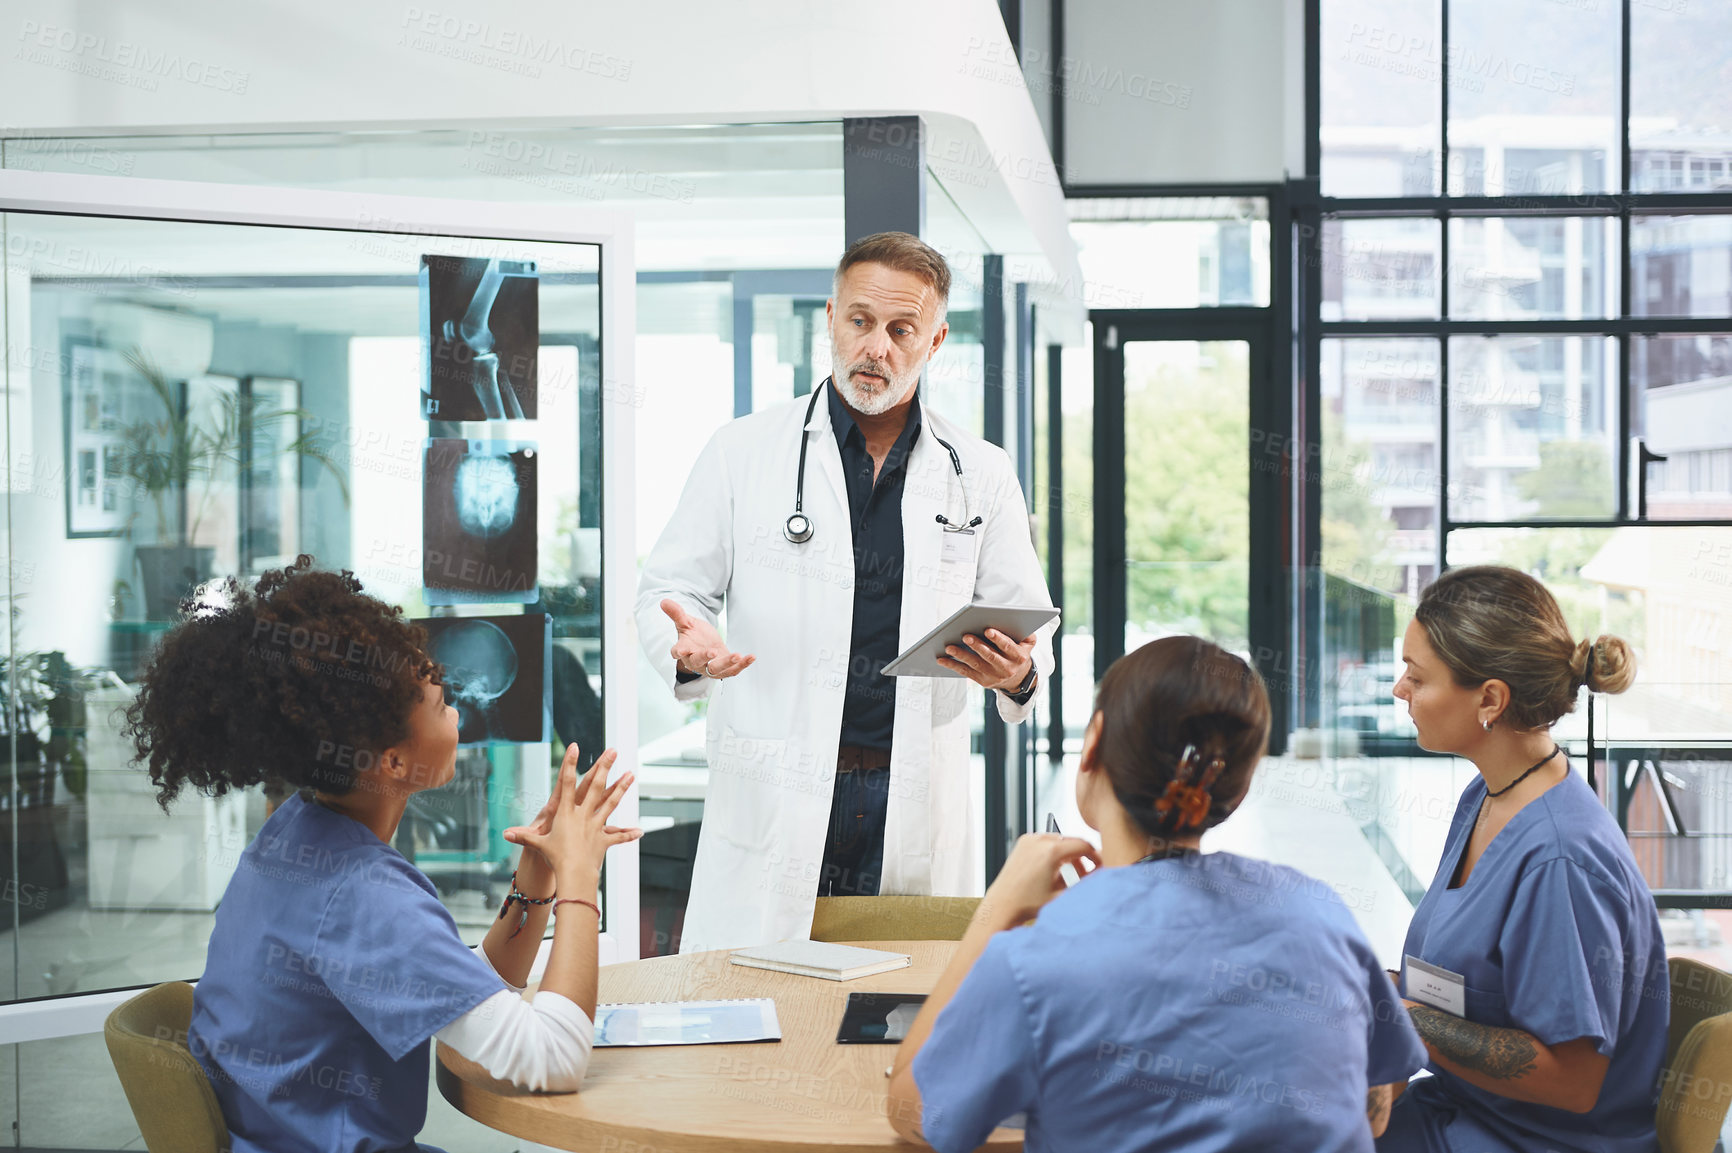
[{"x": 1015, "y": 621}]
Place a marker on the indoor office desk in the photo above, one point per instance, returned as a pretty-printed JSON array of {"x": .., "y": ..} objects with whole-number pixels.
[{"x": 802, "y": 1093}]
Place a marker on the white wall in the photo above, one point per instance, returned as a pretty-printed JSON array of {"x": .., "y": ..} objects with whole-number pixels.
[{"x": 1183, "y": 91}]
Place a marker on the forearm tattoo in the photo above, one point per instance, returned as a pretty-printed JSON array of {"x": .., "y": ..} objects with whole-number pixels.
[
  {"x": 1502, "y": 1054},
  {"x": 1378, "y": 1100}
]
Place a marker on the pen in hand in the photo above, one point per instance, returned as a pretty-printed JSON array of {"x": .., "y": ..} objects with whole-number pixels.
[{"x": 1065, "y": 871}]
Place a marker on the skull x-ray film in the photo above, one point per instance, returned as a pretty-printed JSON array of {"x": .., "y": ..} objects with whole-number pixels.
[
  {"x": 478, "y": 539},
  {"x": 497, "y": 675},
  {"x": 481, "y": 321}
]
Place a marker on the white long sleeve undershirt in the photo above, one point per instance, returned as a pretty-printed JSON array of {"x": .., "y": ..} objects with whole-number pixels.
[{"x": 543, "y": 1044}]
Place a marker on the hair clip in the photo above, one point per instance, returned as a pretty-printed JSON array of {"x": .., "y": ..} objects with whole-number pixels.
[{"x": 1187, "y": 796}]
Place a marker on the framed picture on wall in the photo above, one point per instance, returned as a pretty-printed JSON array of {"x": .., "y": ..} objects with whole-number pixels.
[
  {"x": 270, "y": 473},
  {"x": 102, "y": 394}
]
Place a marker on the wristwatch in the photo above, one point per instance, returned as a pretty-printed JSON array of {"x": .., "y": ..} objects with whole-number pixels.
[{"x": 1025, "y": 691}]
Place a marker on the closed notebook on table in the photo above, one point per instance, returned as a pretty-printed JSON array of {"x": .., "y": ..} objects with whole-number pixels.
[{"x": 820, "y": 959}]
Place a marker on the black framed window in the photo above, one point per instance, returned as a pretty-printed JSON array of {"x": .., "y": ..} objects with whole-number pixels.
[{"x": 1515, "y": 275}]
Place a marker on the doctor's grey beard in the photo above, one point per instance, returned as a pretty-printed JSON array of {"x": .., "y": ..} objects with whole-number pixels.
[{"x": 873, "y": 401}]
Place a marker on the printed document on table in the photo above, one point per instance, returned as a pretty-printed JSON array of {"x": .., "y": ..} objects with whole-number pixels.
[{"x": 687, "y": 1023}]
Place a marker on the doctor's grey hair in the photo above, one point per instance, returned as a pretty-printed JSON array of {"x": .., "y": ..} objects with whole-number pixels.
[
  {"x": 1172, "y": 693},
  {"x": 1487, "y": 622},
  {"x": 904, "y": 252}
]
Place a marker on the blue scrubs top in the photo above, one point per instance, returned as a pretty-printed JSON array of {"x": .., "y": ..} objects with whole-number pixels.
[
  {"x": 1211, "y": 1002},
  {"x": 331, "y": 965},
  {"x": 1555, "y": 932}
]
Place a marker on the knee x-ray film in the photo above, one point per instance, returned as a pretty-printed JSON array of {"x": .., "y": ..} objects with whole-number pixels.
[{"x": 481, "y": 322}]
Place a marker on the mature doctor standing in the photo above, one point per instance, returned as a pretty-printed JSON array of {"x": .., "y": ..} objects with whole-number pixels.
[{"x": 837, "y": 530}]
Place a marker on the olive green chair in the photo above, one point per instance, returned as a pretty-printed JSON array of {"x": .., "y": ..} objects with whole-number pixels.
[
  {"x": 895, "y": 918},
  {"x": 1696, "y": 1083},
  {"x": 171, "y": 1098}
]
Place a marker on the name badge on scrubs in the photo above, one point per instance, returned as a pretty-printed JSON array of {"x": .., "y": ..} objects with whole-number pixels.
[
  {"x": 1435, "y": 986},
  {"x": 958, "y": 546}
]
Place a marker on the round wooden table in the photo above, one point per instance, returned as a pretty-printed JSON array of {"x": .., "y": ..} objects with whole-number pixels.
[{"x": 803, "y": 1093}]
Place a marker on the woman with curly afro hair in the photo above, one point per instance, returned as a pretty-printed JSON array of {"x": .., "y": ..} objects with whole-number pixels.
[{"x": 332, "y": 963}]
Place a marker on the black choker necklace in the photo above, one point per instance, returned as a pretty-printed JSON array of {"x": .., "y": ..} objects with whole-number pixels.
[
  {"x": 1531, "y": 769},
  {"x": 1168, "y": 853}
]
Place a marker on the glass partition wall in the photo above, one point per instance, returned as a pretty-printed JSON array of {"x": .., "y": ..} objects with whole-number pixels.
[
  {"x": 193, "y": 399},
  {"x": 737, "y": 228}
]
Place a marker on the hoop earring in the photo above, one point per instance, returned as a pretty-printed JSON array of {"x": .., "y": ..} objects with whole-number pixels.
[{"x": 1486, "y": 725}]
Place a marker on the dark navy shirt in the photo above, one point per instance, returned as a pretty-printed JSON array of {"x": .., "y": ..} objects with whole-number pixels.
[{"x": 875, "y": 510}]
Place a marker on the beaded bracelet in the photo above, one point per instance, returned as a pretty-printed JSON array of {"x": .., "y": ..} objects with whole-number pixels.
[{"x": 524, "y": 901}]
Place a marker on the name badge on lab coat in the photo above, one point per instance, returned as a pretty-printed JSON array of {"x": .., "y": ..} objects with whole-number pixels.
[
  {"x": 1435, "y": 986},
  {"x": 957, "y": 547}
]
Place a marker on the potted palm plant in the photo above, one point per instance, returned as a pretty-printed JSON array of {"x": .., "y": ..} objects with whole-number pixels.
[{"x": 175, "y": 457}]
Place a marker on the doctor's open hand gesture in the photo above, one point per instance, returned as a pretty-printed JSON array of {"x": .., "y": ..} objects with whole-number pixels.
[{"x": 699, "y": 649}]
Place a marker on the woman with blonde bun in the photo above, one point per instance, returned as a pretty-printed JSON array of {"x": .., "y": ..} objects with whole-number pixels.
[{"x": 1534, "y": 968}]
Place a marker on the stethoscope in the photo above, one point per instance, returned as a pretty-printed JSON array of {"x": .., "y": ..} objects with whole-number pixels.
[{"x": 798, "y": 530}]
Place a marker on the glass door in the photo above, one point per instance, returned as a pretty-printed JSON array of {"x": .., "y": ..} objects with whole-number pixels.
[
  {"x": 1187, "y": 538},
  {"x": 1177, "y": 488}
]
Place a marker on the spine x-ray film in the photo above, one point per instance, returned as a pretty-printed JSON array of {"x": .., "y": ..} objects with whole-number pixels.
[{"x": 478, "y": 523}]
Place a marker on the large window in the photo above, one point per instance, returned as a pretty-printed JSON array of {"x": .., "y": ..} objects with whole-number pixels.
[{"x": 1521, "y": 275}]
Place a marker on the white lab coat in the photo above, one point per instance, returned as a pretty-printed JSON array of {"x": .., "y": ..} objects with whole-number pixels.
[{"x": 773, "y": 730}]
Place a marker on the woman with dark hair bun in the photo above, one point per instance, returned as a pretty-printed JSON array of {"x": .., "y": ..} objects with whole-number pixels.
[
  {"x": 1171, "y": 999},
  {"x": 1534, "y": 970},
  {"x": 332, "y": 964}
]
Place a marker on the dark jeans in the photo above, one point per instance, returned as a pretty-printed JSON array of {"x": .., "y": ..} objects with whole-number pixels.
[{"x": 854, "y": 849}]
